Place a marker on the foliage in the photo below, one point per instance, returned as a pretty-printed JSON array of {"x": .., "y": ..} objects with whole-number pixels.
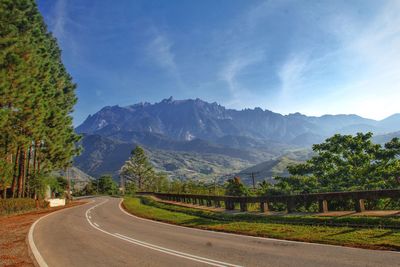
[
  {"x": 235, "y": 187},
  {"x": 107, "y": 185},
  {"x": 346, "y": 163},
  {"x": 139, "y": 170},
  {"x": 37, "y": 96},
  {"x": 10, "y": 206}
]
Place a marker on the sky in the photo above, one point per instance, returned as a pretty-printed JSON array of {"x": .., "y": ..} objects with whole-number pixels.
[{"x": 314, "y": 57}]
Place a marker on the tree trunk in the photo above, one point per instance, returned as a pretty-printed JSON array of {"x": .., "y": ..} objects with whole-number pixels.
[
  {"x": 21, "y": 176},
  {"x": 27, "y": 174},
  {"x": 14, "y": 182}
]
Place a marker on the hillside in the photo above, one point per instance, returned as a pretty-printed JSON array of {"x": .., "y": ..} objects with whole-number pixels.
[
  {"x": 269, "y": 169},
  {"x": 190, "y": 119},
  {"x": 103, "y": 155},
  {"x": 196, "y": 139}
]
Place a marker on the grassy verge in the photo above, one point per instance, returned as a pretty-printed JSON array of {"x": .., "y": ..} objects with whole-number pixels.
[
  {"x": 350, "y": 221},
  {"x": 374, "y": 238}
]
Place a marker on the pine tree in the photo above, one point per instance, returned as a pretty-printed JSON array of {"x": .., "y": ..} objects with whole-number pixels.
[
  {"x": 138, "y": 169},
  {"x": 37, "y": 97}
]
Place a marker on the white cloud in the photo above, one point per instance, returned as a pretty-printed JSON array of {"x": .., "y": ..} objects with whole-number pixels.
[
  {"x": 233, "y": 69},
  {"x": 159, "y": 50},
  {"x": 362, "y": 75},
  {"x": 292, "y": 74},
  {"x": 59, "y": 19}
]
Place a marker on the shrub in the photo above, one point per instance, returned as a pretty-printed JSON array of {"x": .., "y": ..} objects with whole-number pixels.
[{"x": 16, "y": 205}]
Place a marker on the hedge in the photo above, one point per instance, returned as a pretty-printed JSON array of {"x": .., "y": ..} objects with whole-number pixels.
[{"x": 16, "y": 205}]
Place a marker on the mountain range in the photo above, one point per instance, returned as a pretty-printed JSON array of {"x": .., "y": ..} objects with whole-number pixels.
[{"x": 194, "y": 128}]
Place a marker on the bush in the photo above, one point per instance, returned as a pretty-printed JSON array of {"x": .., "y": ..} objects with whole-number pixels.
[{"x": 16, "y": 205}]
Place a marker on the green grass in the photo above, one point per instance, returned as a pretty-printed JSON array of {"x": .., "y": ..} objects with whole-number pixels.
[{"x": 375, "y": 238}]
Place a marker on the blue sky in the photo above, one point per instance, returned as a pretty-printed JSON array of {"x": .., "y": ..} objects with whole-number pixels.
[{"x": 313, "y": 57}]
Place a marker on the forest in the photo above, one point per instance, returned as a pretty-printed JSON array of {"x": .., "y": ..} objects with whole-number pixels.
[{"x": 37, "y": 96}]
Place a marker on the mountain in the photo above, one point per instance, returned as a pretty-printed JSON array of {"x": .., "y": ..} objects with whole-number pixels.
[
  {"x": 102, "y": 155},
  {"x": 185, "y": 120},
  {"x": 179, "y": 128},
  {"x": 274, "y": 167},
  {"x": 77, "y": 177}
]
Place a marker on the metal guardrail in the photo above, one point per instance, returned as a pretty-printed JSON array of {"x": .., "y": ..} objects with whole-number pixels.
[{"x": 290, "y": 201}]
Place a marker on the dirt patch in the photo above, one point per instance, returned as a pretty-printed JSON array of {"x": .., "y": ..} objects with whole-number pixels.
[{"x": 13, "y": 232}]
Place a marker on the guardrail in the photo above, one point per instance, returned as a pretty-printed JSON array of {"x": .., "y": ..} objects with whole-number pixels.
[{"x": 290, "y": 201}]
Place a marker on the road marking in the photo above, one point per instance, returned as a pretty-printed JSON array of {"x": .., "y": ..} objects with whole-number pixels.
[
  {"x": 38, "y": 257},
  {"x": 246, "y": 236},
  {"x": 159, "y": 248},
  {"x": 166, "y": 250},
  {"x": 96, "y": 224}
]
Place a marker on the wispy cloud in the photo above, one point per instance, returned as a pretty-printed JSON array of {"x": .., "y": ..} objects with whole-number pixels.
[
  {"x": 233, "y": 69},
  {"x": 292, "y": 73},
  {"x": 361, "y": 75},
  {"x": 59, "y": 19},
  {"x": 160, "y": 51}
]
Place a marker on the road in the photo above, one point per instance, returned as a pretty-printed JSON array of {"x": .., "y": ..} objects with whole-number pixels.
[{"x": 102, "y": 234}]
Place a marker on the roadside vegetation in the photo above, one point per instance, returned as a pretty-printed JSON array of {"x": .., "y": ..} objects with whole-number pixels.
[
  {"x": 37, "y": 97},
  {"x": 255, "y": 225}
]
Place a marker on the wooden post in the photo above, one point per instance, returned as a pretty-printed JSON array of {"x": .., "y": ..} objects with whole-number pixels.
[
  {"x": 243, "y": 206},
  {"x": 359, "y": 205},
  {"x": 264, "y": 207},
  {"x": 290, "y": 205},
  {"x": 209, "y": 204},
  {"x": 229, "y": 205},
  {"x": 323, "y": 205},
  {"x": 217, "y": 204}
]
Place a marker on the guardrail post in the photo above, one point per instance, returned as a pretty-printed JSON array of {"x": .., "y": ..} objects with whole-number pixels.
[
  {"x": 359, "y": 205},
  {"x": 290, "y": 205},
  {"x": 243, "y": 205},
  {"x": 229, "y": 205},
  {"x": 264, "y": 207},
  {"x": 323, "y": 205}
]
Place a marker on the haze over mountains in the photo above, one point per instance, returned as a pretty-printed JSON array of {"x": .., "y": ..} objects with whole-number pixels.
[{"x": 188, "y": 138}]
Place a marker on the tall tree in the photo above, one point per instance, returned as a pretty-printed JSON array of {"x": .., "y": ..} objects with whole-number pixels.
[
  {"x": 138, "y": 169},
  {"x": 37, "y": 96}
]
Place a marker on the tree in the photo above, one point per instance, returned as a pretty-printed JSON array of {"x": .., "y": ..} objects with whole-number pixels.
[
  {"x": 139, "y": 170},
  {"x": 37, "y": 96},
  {"x": 345, "y": 163},
  {"x": 107, "y": 185},
  {"x": 235, "y": 187}
]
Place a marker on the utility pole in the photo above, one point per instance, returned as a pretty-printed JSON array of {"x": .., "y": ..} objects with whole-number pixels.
[{"x": 253, "y": 178}]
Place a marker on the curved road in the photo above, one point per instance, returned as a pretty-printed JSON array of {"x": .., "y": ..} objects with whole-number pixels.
[{"x": 101, "y": 234}]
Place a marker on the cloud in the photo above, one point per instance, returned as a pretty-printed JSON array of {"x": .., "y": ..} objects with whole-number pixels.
[
  {"x": 292, "y": 74},
  {"x": 59, "y": 19},
  {"x": 159, "y": 50},
  {"x": 234, "y": 68},
  {"x": 361, "y": 74}
]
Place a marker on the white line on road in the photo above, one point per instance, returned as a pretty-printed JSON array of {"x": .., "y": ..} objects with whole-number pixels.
[
  {"x": 96, "y": 224},
  {"x": 159, "y": 248},
  {"x": 38, "y": 257}
]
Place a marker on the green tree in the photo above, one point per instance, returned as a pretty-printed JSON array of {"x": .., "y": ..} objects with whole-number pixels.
[
  {"x": 37, "y": 96},
  {"x": 139, "y": 170},
  {"x": 344, "y": 163},
  {"x": 107, "y": 185},
  {"x": 235, "y": 187}
]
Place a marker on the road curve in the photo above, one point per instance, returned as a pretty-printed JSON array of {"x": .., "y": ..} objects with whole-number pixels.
[{"x": 101, "y": 234}]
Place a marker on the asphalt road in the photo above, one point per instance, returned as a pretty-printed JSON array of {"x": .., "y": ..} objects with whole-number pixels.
[{"x": 101, "y": 234}]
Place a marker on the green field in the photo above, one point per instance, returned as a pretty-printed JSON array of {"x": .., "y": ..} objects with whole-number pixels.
[{"x": 298, "y": 228}]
